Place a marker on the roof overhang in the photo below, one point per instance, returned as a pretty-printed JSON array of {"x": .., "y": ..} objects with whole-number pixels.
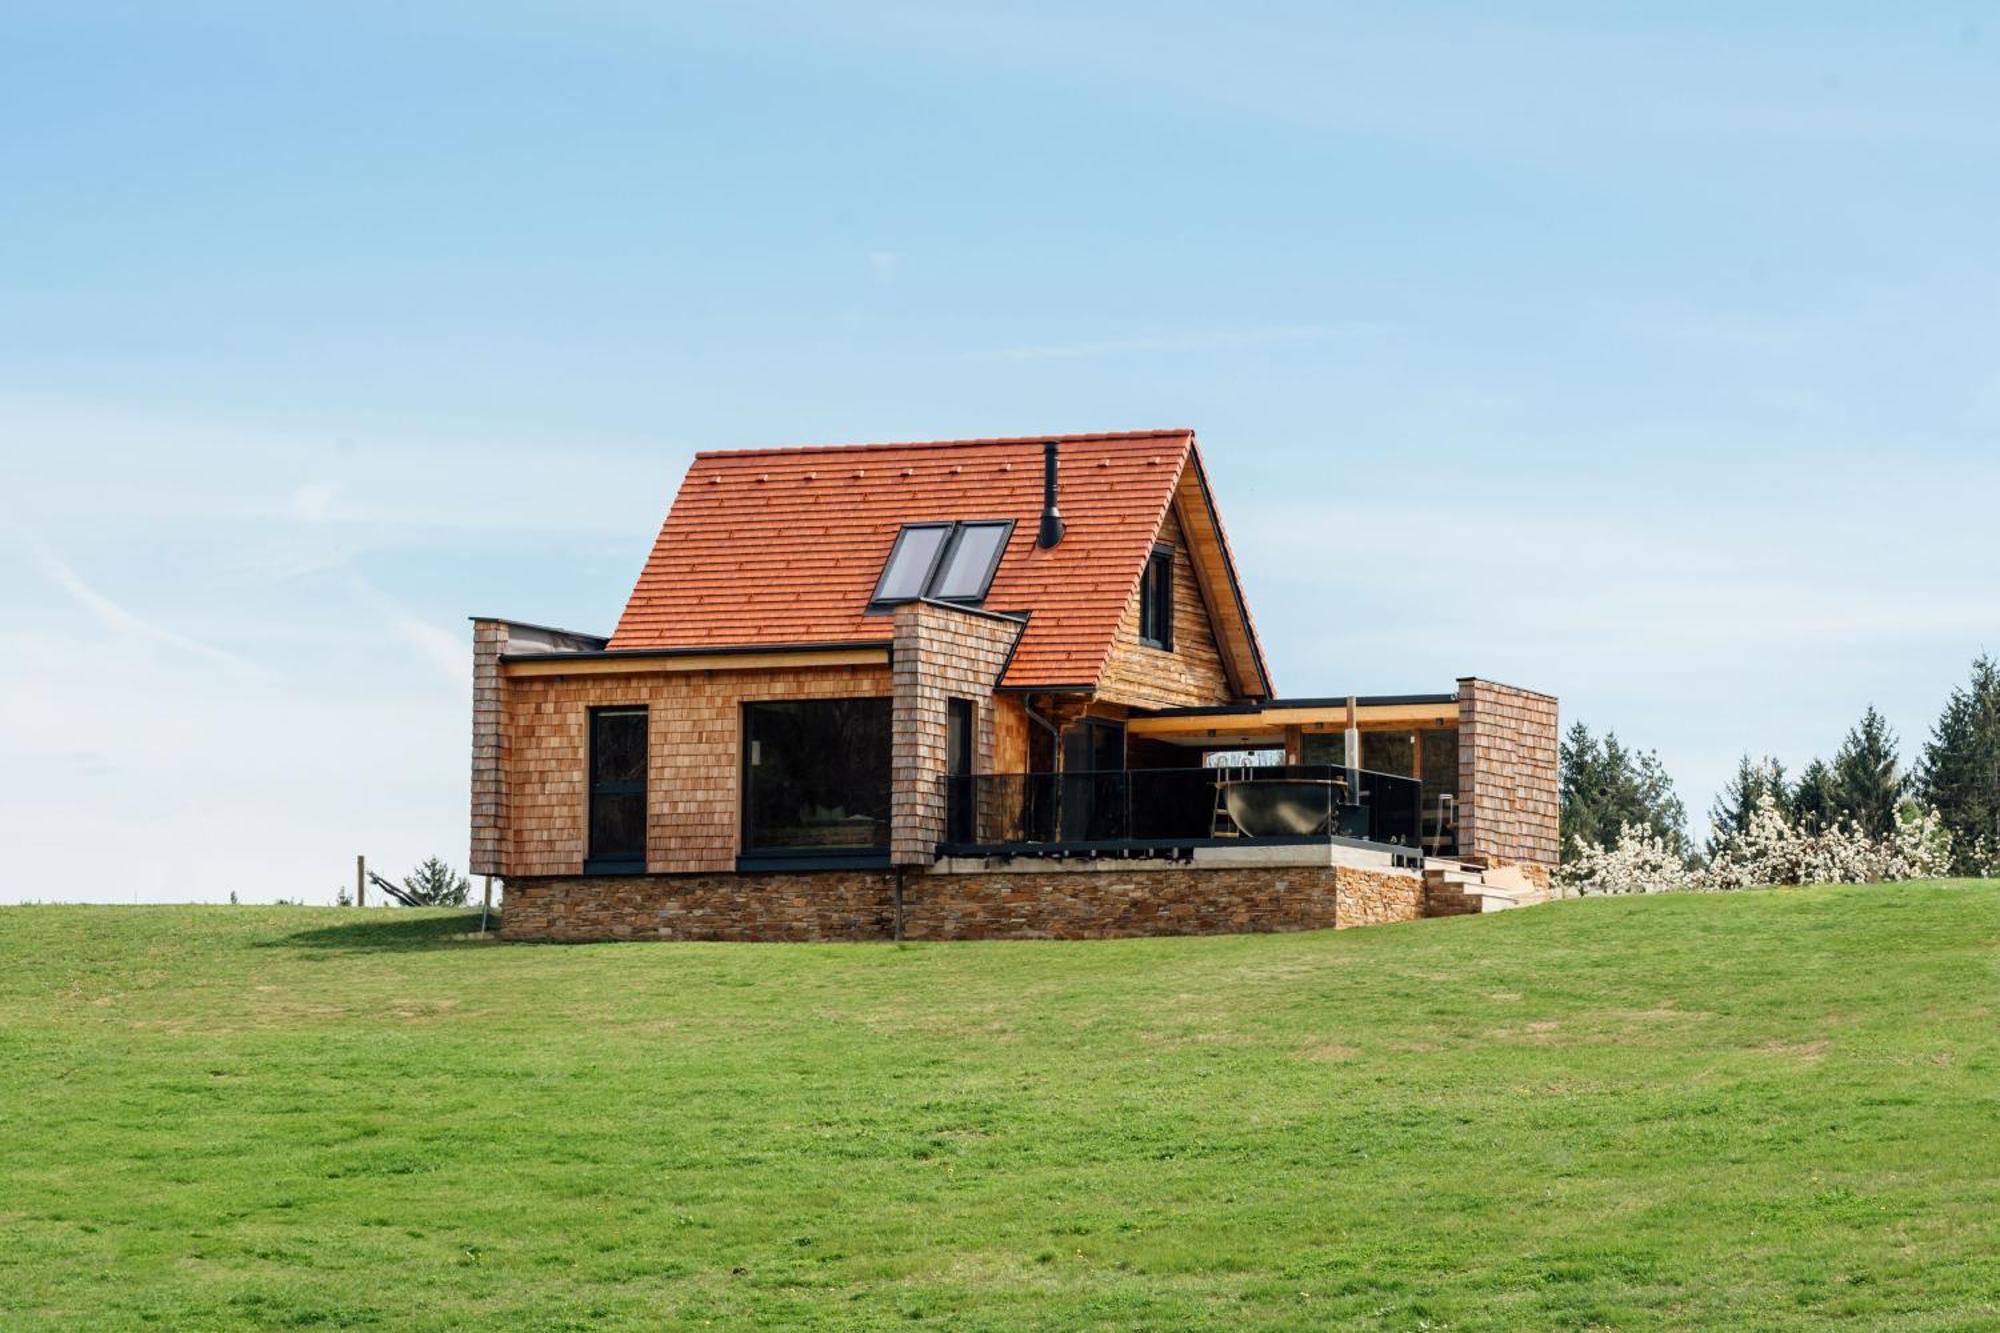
[
  {"x": 658, "y": 661},
  {"x": 1268, "y": 722},
  {"x": 1222, "y": 589}
]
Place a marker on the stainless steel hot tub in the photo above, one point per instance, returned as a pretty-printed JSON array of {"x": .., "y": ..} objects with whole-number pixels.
[{"x": 1283, "y": 807}]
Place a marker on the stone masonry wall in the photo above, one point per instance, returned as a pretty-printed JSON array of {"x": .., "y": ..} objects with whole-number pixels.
[
  {"x": 489, "y": 748},
  {"x": 693, "y": 758},
  {"x": 1507, "y": 786},
  {"x": 939, "y": 653},
  {"x": 860, "y": 905}
]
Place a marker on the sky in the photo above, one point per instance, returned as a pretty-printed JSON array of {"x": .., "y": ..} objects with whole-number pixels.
[{"x": 1648, "y": 355}]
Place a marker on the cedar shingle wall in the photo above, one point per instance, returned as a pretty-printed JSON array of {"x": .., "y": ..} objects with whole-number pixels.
[
  {"x": 1189, "y": 676},
  {"x": 1507, "y": 797},
  {"x": 489, "y": 748},
  {"x": 940, "y": 653},
  {"x": 693, "y": 759}
]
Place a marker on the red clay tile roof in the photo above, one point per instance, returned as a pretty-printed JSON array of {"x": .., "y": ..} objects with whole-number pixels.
[{"x": 768, "y": 546}]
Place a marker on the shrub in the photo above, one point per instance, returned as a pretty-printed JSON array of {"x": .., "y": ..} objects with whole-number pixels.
[{"x": 1771, "y": 848}]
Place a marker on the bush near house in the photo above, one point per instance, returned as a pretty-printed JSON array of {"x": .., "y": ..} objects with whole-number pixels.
[{"x": 1767, "y": 1109}]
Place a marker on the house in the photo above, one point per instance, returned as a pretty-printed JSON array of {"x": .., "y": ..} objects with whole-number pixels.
[{"x": 973, "y": 689}]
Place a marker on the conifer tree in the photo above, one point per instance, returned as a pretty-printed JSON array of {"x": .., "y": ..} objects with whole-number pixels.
[
  {"x": 435, "y": 884},
  {"x": 1605, "y": 786},
  {"x": 1813, "y": 801},
  {"x": 1868, "y": 781},
  {"x": 1959, "y": 775},
  {"x": 1730, "y": 814}
]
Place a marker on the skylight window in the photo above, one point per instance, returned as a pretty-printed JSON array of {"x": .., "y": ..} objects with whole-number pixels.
[
  {"x": 952, "y": 562},
  {"x": 911, "y": 561}
]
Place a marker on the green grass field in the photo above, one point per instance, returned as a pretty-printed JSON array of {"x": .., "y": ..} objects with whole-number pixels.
[{"x": 1767, "y": 1109}]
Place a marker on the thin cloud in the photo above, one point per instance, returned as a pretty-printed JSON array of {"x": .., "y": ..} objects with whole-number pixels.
[
  {"x": 436, "y": 645},
  {"x": 114, "y": 616},
  {"x": 1199, "y": 342}
]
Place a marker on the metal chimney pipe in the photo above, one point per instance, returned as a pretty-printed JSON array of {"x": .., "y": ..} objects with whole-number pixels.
[{"x": 1052, "y": 519}]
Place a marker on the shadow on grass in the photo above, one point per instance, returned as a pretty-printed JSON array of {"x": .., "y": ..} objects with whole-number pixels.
[{"x": 389, "y": 930}]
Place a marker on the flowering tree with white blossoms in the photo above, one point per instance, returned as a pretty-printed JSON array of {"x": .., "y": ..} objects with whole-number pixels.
[
  {"x": 1639, "y": 862},
  {"x": 1771, "y": 849}
]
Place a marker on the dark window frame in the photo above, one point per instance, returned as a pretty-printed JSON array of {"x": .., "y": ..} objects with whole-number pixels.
[
  {"x": 594, "y": 860},
  {"x": 941, "y": 561},
  {"x": 1156, "y": 599}
]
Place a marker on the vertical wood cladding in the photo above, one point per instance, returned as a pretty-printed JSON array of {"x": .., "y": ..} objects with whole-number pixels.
[
  {"x": 1508, "y": 804},
  {"x": 940, "y": 653},
  {"x": 694, "y": 758},
  {"x": 1192, "y": 674}
]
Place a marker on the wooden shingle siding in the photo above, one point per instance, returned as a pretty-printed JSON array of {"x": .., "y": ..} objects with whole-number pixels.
[
  {"x": 1508, "y": 802},
  {"x": 694, "y": 759},
  {"x": 1010, "y": 734},
  {"x": 941, "y": 653},
  {"x": 489, "y": 749},
  {"x": 1192, "y": 674}
]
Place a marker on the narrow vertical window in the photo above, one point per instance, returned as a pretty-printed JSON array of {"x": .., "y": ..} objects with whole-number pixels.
[
  {"x": 617, "y": 790},
  {"x": 1156, "y": 599},
  {"x": 960, "y": 737}
]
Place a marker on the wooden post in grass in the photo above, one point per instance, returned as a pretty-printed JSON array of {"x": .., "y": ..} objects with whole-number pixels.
[
  {"x": 361, "y": 881},
  {"x": 486, "y": 909}
]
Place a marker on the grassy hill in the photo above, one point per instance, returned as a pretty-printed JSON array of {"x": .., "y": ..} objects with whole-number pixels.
[{"x": 1777, "y": 1108}]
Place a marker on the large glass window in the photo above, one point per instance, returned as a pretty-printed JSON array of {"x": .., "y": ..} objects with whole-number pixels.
[
  {"x": 617, "y": 788},
  {"x": 816, "y": 776},
  {"x": 1441, "y": 761},
  {"x": 1390, "y": 752}
]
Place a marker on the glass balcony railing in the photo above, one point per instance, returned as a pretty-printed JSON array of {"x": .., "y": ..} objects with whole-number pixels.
[{"x": 1167, "y": 807}]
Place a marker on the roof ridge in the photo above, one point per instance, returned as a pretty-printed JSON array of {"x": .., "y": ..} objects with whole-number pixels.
[{"x": 1077, "y": 438}]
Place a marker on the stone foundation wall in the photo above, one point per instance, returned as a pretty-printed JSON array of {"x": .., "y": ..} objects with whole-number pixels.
[
  {"x": 1378, "y": 897},
  {"x": 824, "y": 905},
  {"x": 987, "y": 905}
]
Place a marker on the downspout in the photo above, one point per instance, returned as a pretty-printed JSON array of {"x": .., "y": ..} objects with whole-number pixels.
[
  {"x": 899, "y": 905},
  {"x": 1047, "y": 725}
]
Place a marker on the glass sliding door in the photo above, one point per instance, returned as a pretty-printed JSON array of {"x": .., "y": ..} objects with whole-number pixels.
[
  {"x": 1440, "y": 776},
  {"x": 1093, "y": 781}
]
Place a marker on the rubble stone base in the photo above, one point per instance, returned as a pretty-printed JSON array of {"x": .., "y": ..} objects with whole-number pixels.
[{"x": 1011, "y": 905}]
